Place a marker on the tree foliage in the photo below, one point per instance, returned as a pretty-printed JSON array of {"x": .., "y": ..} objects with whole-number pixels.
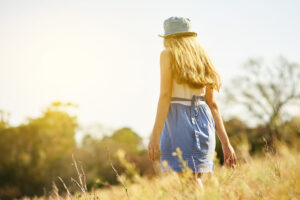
[{"x": 266, "y": 91}]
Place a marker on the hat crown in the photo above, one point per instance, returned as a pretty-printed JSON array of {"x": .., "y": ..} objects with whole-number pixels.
[{"x": 176, "y": 24}]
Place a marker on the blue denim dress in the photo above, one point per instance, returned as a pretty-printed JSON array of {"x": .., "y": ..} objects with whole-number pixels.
[{"x": 191, "y": 128}]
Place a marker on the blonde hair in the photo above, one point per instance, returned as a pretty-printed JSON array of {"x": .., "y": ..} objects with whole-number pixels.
[{"x": 190, "y": 63}]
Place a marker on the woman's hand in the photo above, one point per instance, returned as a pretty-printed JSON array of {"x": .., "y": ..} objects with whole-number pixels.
[
  {"x": 229, "y": 155},
  {"x": 154, "y": 147}
]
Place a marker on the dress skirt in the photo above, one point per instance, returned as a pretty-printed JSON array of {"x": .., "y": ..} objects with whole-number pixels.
[{"x": 190, "y": 127}]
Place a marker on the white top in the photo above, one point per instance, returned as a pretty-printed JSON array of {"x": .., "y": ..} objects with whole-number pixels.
[{"x": 184, "y": 91}]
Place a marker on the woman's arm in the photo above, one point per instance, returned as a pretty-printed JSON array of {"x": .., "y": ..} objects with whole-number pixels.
[
  {"x": 228, "y": 151},
  {"x": 163, "y": 103},
  {"x": 165, "y": 92}
]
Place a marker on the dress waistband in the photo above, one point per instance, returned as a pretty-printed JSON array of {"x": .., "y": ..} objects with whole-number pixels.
[{"x": 196, "y": 100}]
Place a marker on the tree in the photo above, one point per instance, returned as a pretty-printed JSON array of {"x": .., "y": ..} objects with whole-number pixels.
[
  {"x": 266, "y": 91},
  {"x": 33, "y": 154}
]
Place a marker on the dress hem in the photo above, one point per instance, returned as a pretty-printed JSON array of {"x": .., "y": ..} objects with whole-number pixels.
[{"x": 195, "y": 162}]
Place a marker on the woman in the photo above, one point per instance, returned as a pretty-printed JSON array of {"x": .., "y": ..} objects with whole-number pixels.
[{"x": 187, "y": 113}]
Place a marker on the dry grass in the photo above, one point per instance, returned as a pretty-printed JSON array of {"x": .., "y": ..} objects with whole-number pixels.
[{"x": 272, "y": 176}]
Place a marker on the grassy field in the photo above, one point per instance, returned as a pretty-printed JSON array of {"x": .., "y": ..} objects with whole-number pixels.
[{"x": 269, "y": 176}]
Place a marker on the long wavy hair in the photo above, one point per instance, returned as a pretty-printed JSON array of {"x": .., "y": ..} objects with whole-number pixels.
[{"x": 190, "y": 63}]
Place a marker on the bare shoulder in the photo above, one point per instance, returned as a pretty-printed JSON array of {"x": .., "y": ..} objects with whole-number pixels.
[
  {"x": 165, "y": 61},
  {"x": 165, "y": 52},
  {"x": 165, "y": 55}
]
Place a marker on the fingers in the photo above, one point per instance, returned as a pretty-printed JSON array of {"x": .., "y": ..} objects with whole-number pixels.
[
  {"x": 227, "y": 160},
  {"x": 230, "y": 160},
  {"x": 151, "y": 153},
  {"x": 154, "y": 153},
  {"x": 234, "y": 159}
]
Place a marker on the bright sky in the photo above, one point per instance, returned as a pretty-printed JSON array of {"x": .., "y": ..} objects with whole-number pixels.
[{"x": 104, "y": 55}]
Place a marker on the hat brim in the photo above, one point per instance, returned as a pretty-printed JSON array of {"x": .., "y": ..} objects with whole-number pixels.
[{"x": 179, "y": 34}]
